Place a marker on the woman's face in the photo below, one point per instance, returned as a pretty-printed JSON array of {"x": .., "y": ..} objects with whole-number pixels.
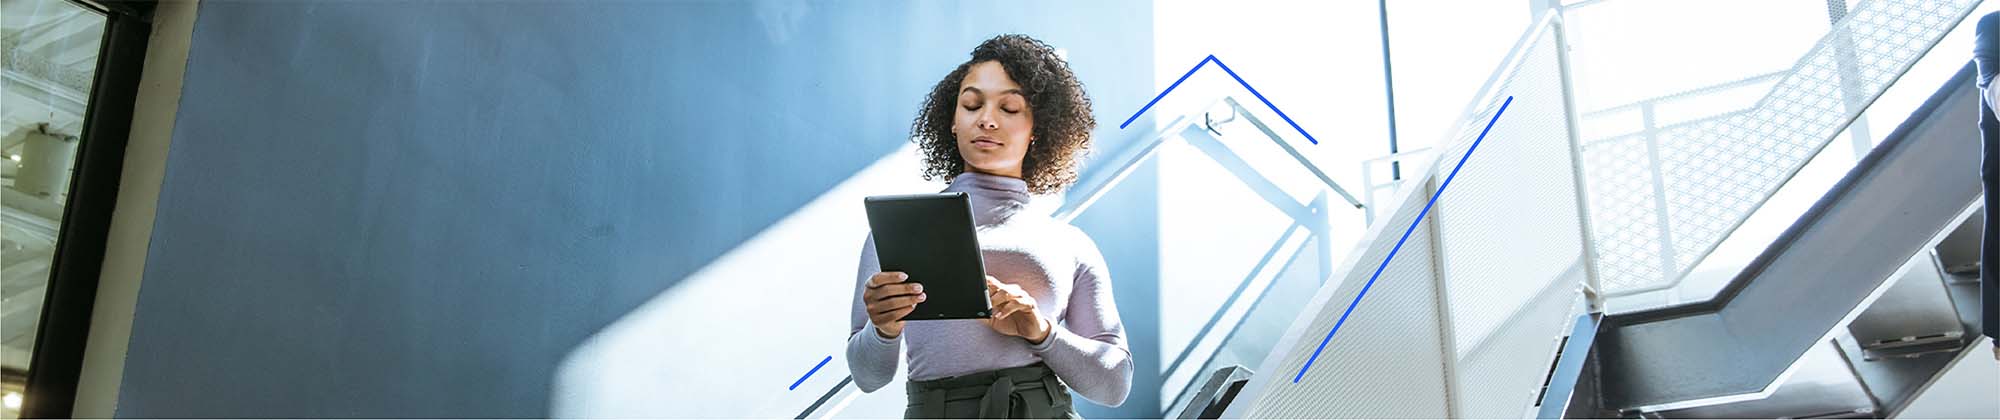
[{"x": 992, "y": 122}]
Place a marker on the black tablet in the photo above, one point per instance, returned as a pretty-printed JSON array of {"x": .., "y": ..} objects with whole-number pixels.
[{"x": 931, "y": 238}]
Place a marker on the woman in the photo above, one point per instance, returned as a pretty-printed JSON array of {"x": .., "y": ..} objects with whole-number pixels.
[{"x": 1010, "y": 122}]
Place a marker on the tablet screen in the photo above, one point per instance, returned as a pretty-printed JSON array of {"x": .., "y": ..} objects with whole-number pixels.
[{"x": 931, "y": 238}]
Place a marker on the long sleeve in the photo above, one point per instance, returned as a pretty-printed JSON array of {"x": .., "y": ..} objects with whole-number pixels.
[
  {"x": 871, "y": 359},
  {"x": 1986, "y": 49},
  {"x": 1087, "y": 348}
]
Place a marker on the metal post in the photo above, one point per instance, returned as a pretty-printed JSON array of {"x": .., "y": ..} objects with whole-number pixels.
[
  {"x": 1389, "y": 88},
  {"x": 1441, "y": 299},
  {"x": 1850, "y": 77},
  {"x": 1593, "y": 286}
]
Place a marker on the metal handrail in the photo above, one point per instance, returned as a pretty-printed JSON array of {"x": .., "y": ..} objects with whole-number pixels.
[
  {"x": 1094, "y": 185},
  {"x": 1294, "y": 152}
]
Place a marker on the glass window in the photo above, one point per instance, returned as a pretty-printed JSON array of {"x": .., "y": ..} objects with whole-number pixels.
[{"x": 49, "y": 52}]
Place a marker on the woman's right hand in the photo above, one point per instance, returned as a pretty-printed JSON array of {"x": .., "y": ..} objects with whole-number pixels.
[{"x": 889, "y": 297}]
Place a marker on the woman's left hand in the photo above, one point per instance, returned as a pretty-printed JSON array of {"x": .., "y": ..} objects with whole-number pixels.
[{"x": 1014, "y": 312}]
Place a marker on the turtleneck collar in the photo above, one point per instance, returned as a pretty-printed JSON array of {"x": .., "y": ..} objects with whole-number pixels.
[{"x": 994, "y": 198}]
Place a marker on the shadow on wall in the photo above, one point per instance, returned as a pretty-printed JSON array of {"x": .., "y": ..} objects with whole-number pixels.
[
  {"x": 421, "y": 209},
  {"x": 728, "y": 340}
]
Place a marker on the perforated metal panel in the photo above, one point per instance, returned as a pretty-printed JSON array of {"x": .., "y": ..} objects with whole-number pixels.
[
  {"x": 1511, "y": 240},
  {"x": 1711, "y": 175},
  {"x": 1625, "y": 209},
  {"x": 1386, "y": 360},
  {"x": 1464, "y": 320}
]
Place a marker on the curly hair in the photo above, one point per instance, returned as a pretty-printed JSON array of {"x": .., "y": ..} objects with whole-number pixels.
[{"x": 1060, "y": 109}]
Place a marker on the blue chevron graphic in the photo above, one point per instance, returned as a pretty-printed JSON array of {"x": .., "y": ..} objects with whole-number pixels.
[{"x": 1232, "y": 74}]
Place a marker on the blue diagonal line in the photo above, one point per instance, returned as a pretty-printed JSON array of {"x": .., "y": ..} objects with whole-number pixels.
[
  {"x": 1260, "y": 97},
  {"x": 809, "y": 374},
  {"x": 1399, "y": 242},
  {"x": 1170, "y": 88},
  {"x": 1232, "y": 75}
]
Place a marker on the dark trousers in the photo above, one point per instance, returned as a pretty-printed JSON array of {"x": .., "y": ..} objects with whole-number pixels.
[
  {"x": 1026, "y": 392},
  {"x": 1986, "y": 55},
  {"x": 1989, "y": 249}
]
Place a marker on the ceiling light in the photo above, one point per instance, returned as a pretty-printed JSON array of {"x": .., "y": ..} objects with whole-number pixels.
[
  {"x": 13, "y": 400},
  {"x": 16, "y": 158}
]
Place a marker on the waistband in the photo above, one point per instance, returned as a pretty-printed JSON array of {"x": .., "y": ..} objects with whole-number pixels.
[
  {"x": 1020, "y": 374},
  {"x": 995, "y": 390}
]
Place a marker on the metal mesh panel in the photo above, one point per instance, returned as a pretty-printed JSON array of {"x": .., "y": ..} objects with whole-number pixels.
[
  {"x": 1624, "y": 210},
  {"x": 1511, "y": 240},
  {"x": 1713, "y": 174},
  {"x": 1385, "y": 362}
]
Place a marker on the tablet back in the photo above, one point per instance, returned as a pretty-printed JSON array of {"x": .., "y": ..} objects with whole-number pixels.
[{"x": 931, "y": 238}]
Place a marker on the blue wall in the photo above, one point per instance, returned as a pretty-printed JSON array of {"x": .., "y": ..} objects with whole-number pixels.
[{"x": 415, "y": 209}]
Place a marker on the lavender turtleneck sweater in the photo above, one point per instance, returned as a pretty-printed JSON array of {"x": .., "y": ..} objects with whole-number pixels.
[{"x": 1056, "y": 263}]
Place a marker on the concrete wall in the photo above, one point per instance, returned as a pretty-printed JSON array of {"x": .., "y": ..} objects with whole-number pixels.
[{"x": 415, "y": 209}]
